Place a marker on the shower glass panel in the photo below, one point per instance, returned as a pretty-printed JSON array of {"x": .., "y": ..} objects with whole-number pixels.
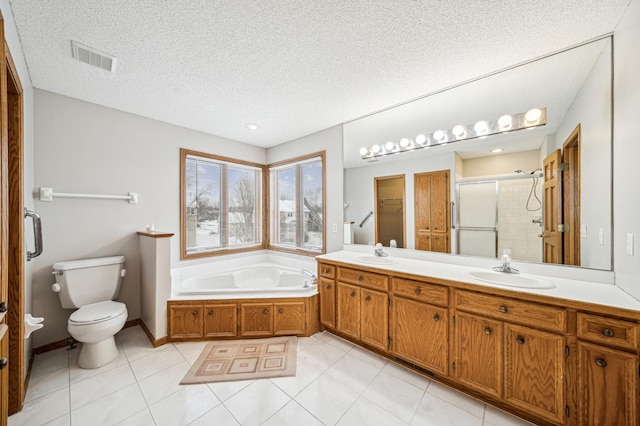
[{"x": 478, "y": 218}]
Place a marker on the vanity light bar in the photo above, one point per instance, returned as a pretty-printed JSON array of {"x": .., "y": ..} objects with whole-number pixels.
[{"x": 535, "y": 117}]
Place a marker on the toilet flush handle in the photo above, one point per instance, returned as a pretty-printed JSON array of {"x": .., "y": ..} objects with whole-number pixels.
[
  {"x": 56, "y": 288},
  {"x": 123, "y": 273}
]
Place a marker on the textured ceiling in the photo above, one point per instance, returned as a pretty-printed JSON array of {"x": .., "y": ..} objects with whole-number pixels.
[{"x": 292, "y": 67}]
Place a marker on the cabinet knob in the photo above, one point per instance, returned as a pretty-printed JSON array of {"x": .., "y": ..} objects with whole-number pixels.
[
  {"x": 3, "y": 363},
  {"x": 3, "y": 307},
  {"x": 487, "y": 331},
  {"x": 359, "y": 277},
  {"x": 353, "y": 293},
  {"x": 417, "y": 291},
  {"x": 608, "y": 332},
  {"x": 503, "y": 309},
  {"x": 328, "y": 285},
  {"x": 436, "y": 228},
  {"x": 266, "y": 311},
  {"x": 601, "y": 362},
  {"x": 281, "y": 310},
  {"x": 195, "y": 313},
  {"x": 436, "y": 317},
  {"x": 325, "y": 271},
  {"x": 520, "y": 340},
  {"x": 367, "y": 298},
  {"x": 211, "y": 312}
]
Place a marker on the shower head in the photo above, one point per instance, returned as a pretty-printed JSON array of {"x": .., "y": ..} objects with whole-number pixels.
[{"x": 520, "y": 171}]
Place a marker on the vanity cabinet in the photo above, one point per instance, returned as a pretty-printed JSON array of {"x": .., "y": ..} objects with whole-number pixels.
[
  {"x": 327, "y": 292},
  {"x": 210, "y": 319},
  {"x": 607, "y": 370}
]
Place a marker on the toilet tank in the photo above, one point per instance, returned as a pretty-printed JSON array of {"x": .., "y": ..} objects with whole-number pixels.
[{"x": 81, "y": 282}]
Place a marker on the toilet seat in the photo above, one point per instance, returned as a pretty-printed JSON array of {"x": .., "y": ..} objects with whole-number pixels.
[{"x": 97, "y": 313}]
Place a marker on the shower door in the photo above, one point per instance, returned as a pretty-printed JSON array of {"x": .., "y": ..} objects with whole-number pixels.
[{"x": 478, "y": 218}]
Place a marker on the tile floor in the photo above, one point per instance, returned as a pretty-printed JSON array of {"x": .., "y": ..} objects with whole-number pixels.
[{"x": 336, "y": 383}]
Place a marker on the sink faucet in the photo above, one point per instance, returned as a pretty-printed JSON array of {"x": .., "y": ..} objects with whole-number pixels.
[
  {"x": 312, "y": 278},
  {"x": 379, "y": 252},
  {"x": 505, "y": 263}
]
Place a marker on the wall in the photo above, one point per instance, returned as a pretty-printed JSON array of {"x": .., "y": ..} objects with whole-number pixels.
[
  {"x": 591, "y": 109},
  {"x": 330, "y": 141},
  {"x": 13, "y": 42},
  {"x": 501, "y": 164},
  {"x": 626, "y": 149},
  {"x": 359, "y": 191},
  {"x": 86, "y": 148}
]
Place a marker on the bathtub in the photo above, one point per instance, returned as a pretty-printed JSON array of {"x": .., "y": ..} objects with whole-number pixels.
[{"x": 256, "y": 280}]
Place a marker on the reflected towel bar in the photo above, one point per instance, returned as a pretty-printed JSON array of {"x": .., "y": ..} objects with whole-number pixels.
[
  {"x": 47, "y": 194},
  {"x": 365, "y": 218}
]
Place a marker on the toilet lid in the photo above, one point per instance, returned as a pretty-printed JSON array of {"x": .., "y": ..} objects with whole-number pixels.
[{"x": 97, "y": 312}]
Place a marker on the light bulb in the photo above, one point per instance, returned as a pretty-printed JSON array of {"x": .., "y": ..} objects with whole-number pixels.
[
  {"x": 389, "y": 146},
  {"x": 459, "y": 131},
  {"x": 375, "y": 148},
  {"x": 363, "y": 151},
  {"x": 505, "y": 122},
  {"x": 438, "y": 135},
  {"x": 497, "y": 150},
  {"x": 404, "y": 142},
  {"x": 533, "y": 115},
  {"x": 481, "y": 127},
  {"x": 421, "y": 139}
]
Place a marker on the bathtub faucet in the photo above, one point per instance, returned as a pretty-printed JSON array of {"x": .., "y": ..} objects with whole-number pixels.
[{"x": 312, "y": 278}]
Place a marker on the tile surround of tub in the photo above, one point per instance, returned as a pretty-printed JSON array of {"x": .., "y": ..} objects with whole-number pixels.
[{"x": 336, "y": 383}]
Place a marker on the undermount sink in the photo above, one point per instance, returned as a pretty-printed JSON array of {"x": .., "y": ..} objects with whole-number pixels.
[
  {"x": 510, "y": 280},
  {"x": 376, "y": 260}
]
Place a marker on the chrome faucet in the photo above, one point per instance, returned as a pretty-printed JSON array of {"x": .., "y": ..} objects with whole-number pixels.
[
  {"x": 312, "y": 278},
  {"x": 379, "y": 252},
  {"x": 505, "y": 263}
]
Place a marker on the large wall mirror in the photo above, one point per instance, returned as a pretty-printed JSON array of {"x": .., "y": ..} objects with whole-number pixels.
[{"x": 499, "y": 197}]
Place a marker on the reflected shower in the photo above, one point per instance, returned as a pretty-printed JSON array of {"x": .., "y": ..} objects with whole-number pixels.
[{"x": 534, "y": 186}]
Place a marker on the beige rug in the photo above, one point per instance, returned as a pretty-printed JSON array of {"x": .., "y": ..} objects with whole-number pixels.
[{"x": 230, "y": 360}]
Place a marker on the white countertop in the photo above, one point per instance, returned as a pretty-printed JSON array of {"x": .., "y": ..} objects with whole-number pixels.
[{"x": 582, "y": 291}]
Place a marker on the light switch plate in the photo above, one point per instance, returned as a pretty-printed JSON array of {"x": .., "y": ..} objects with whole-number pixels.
[
  {"x": 335, "y": 227},
  {"x": 583, "y": 232},
  {"x": 630, "y": 244},
  {"x": 601, "y": 236}
]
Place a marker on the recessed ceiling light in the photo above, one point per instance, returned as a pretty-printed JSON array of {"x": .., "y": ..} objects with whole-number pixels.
[
  {"x": 252, "y": 126},
  {"x": 497, "y": 150}
]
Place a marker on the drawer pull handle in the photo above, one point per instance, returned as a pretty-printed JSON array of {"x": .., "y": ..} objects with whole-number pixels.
[
  {"x": 601, "y": 362},
  {"x": 503, "y": 309},
  {"x": 367, "y": 298},
  {"x": 211, "y": 312},
  {"x": 281, "y": 310},
  {"x": 3, "y": 307},
  {"x": 325, "y": 271},
  {"x": 195, "y": 313},
  {"x": 608, "y": 332},
  {"x": 328, "y": 285},
  {"x": 487, "y": 331},
  {"x": 3, "y": 363},
  {"x": 417, "y": 291},
  {"x": 520, "y": 340},
  {"x": 353, "y": 293},
  {"x": 266, "y": 311},
  {"x": 436, "y": 317},
  {"x": 359, "y": 277}
]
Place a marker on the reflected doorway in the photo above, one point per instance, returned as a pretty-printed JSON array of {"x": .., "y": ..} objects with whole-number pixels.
[{"x": 390, "y": 210}]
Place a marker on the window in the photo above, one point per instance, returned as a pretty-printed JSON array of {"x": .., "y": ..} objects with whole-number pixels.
[
  {"x": 221, "y": 205},
  {"x": 297, "y": 204}
]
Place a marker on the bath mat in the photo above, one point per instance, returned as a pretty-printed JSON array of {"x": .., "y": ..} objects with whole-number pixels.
[{"x": 230, "y": 360}]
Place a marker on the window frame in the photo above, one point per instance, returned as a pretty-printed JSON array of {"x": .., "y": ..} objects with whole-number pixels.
[
  {"x": 261, "y": 221},
  {"x": 271, "y": 206}
]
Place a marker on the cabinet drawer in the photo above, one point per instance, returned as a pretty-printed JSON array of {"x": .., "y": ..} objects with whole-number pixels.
[
  {"x": 422, "y": 291},
  {"x": 327, "y": 271},
  {"x": 364, "y": 279},
  {"x": 610, "y": 331},
  {"x": 516, "y": 311}
]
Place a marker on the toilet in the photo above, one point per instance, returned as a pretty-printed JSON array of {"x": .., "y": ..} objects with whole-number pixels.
[{"x": 90, "y": 285}]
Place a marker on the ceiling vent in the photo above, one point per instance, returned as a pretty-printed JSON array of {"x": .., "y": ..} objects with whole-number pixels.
[{"x": 93, "y": 57}]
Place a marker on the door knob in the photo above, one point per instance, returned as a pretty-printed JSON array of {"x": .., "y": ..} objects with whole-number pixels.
[
  {"x": 3, "y": 363},
  {"x": 3, "y": 307}
]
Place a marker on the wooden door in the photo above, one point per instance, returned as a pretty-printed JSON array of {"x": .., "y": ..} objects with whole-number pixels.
[
  {"x": 440, "y": 201},
  {"x": 185, "y": 321},
  {"x": 478, "y": 349},
  {"x": 552, "y": 212},
  {"x": 256, "y": 319},
  {"x": 4, "y": 373},
  {"x": 607, "y": 386},
  {"x": 534, "y": 371},
  {"x": 389, "y": 210},
  {"x": 289, "y": 318},
  {"x": 221, "y": 320},
  {"x": 420, "y": 334},
  {"x": 5, "y": 247},
  {"x": 374, "y": 318},
  {"x": 422, "y": 199},
  {"x": 432, "y": 211},
  {"x": 327, "y": 291},
  {"x": 571, "y": 197},
  {"x": 348, "y": 312}
]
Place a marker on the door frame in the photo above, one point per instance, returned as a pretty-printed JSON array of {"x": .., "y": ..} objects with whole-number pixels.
[{"x": 404, "y": 207}]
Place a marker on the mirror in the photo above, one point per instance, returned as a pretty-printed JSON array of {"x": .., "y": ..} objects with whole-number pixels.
[{"x": 575, "y": 87}]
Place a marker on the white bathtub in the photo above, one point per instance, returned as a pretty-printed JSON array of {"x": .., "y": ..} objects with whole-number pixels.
[{"x": 262, "y": 279}]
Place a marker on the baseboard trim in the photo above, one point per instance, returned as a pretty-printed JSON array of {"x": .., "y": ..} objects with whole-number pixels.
[{"x": 155, "y": 342}]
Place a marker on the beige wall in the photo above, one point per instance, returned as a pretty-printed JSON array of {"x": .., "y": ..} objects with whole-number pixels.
[{"x": 501, "y": 164}]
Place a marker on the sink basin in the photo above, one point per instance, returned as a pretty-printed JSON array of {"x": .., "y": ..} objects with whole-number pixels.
[
  {"x": 375, "y": 260},
  {"x": 510, "y": 280}
]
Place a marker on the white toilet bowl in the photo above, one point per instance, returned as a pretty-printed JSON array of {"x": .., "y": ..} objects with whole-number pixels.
[{"x": 95, "y": 326}]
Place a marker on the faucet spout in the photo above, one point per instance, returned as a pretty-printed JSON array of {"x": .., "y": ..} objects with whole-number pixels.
[
  {"x": 379, "y": 252},
  {"x": 505, "y": 263},
  {"x": 311, "y": 277}
]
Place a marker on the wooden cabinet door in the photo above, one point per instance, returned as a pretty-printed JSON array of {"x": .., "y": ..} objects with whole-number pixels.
[
  {"x": 440, "y": 242},
  {"x": 420, "y": 334},
  {"x": 4, "y": 373},
  {"x": 220, "y": 320},
  {"x": 607, "y": 386},
  {"x": 423, "y": 240},
  {"x": 422, "y": 199},
  {"x": 348, "y": 312},
  {"x": 185, "y": 321},
  {"x": 431, "y": 211},
  {"x": 534, "y": 371},
  {"x": 374, "y": 318},
  {"x": 289, "y": 318},
  {"x": 327, "y": 291},
  {"x": 256, "y": 319},
  {"x": 478, "y": 349},
  {"x": 440, "y": 202}
]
